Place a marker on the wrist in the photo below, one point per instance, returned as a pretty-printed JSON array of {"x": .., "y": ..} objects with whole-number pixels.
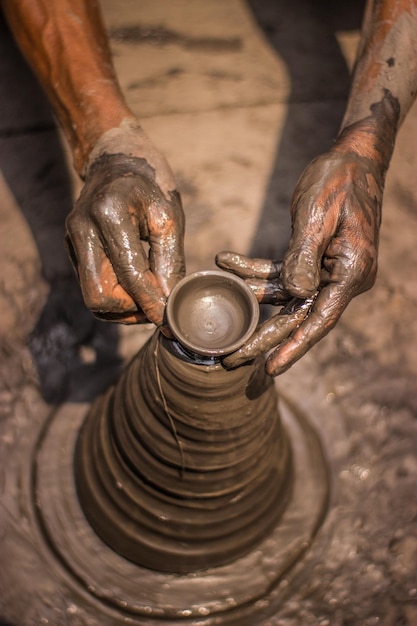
[
  {"x": 91, "y": 130},
  {"x": 373, "y": 137},
  {"x": 130, "y": 140}
]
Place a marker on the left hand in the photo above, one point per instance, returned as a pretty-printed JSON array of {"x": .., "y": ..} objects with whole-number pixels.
[
  {"x": 332, "y": 256},
  {"x": 263, "y": 277}
]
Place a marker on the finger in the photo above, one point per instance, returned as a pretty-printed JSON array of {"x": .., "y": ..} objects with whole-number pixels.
[
  {"x": 122, "y": 318},
  {"x": 132, "y": 282},
  {"x": 245, "y": 267},
  {"x": 129, "y": 265},
  {"x": 270, "y": 333},
  {"x": 325, "y": 312},
  {"x": 262, "y": 276},
  {"x": 102, "y": 293},
  {"x": 267, "y": 291},
  {"x": 301, "y": 269},
  {"x": 166, "y": 238},
  {"x": 113, "y": 304},
  {"x": 314, "y": 225},
  {"x": 97, "y": 280}
]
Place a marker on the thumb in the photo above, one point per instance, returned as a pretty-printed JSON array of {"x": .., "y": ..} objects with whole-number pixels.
[{"x": 300, "y": 274}]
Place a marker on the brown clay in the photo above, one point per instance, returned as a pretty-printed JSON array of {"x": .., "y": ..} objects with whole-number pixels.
[
  {"x": 183, "y": 466},
  {"x": 212, "y": 312},
  {"x": 119, "y": 206}
]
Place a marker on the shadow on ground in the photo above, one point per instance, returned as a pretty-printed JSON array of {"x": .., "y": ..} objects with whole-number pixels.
[
  {"x": 76, "y": 356},
  {"x": 303, "y": 34}
]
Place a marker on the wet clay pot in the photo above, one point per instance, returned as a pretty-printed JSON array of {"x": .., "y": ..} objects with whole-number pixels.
[{"x": 184, "y": 465}]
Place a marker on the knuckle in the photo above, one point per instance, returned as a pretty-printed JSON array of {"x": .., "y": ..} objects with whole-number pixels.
[
  {"x": 171, "y": 206},
  {"x": 103, "y": 208},
  {"x": 96, "y": 301},
  {"x": 72, "y": 222},
  {"x": 96, "y": 298}
]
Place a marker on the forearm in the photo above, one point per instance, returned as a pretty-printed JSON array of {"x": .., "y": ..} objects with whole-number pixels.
[
  {"x": 384, "y": 82},
  {"x": 65, "y": 43}
]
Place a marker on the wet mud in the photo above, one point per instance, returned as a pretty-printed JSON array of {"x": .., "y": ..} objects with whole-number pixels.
[{"x": 357, "y": 387}]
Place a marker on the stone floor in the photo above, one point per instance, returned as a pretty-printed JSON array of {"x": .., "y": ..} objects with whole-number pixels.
[{"x": 239, "y": 96}]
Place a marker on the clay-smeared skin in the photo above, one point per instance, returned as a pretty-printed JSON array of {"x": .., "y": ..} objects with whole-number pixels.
[
  {"x": 336, "y": 213},
  {"x": 129, "y": 191},
  {"x": 260, "y": 274},
  {"x": 386, "y": 58},
  {"x": 336, "y": 206},
  {"x": 120, "y": 205}
]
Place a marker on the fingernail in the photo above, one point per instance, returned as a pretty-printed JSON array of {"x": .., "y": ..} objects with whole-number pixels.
[
  {"x": 233, "y": 361},
  {"x": 166, "y": 332},
  {"x": 275, "y": 371}
]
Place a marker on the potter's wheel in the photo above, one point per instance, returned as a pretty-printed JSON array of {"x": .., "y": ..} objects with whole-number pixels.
[{"x": 128, "y": 593}]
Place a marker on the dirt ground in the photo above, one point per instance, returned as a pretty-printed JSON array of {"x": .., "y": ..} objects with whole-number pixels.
[{"x": 239, "y": 96}]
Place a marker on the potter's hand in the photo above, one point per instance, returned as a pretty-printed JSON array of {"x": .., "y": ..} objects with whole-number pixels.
[
  {"x": 263, "y": 277},
  {"x": 332, "y": 255},
  {"x": 129, "y": 193},
  {"x": 121, "y": 205}
]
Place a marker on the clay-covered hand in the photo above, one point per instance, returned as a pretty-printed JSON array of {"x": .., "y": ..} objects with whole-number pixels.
[
  {"x": 332, "y": 254},
  {"x": 264, "y": 278},
  {"x": 127, "y": 200}
]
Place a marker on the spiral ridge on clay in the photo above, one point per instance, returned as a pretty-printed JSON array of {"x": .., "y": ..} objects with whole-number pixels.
[{"x": 183, "y": 466}]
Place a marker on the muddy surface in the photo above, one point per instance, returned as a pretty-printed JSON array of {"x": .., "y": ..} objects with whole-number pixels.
[{"x": 238, "y": 124}]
